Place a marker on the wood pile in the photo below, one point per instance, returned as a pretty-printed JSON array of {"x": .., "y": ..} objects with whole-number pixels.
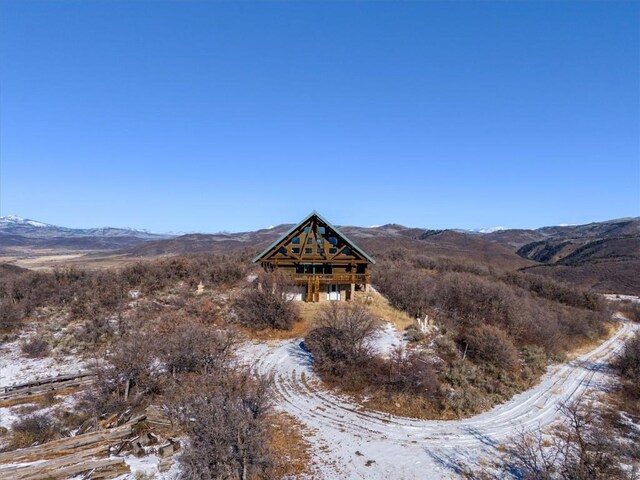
[
  {"x": 96, "y": 451},
  {"x": 71, "y": 456},
  {"x": 11, "y": 395}
]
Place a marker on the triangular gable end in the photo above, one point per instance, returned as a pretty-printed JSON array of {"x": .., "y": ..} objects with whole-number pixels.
[{"x": 314, "y": 239}]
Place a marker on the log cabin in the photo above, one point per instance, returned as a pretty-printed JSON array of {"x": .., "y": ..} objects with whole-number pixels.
[{"x": 317, "y": 262}]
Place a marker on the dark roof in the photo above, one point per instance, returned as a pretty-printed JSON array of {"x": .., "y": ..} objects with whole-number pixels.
[{"x": 305, "y": 219}]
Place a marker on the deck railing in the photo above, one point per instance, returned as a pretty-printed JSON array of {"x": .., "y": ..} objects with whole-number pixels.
[{"x": 329, "y": 278}]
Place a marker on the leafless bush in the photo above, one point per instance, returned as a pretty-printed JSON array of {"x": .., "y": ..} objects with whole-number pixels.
[
  {"x": 97, "y": 327},
  {"x": 33, "y": 429},
  {"x": 580, "y": 447},
  {"x": 341, "y": 342},
  {"x": 10, "y": 315},
  {"x": 631, "y": 310},
  {"x": 406, "y": 371},
  {"x": 194, "y": 347},
  {"x": 531, "y": 310},
  {"x": 413, "y": 333},
  {"x": 628, "y": 365},
  {"x": 128, "y": 376},
  {"x": 268, "y": 306},
  {"x": 225, "y": 420},
  {"x": 490, "y": 344},
  {"x": 35, "y": 348}
]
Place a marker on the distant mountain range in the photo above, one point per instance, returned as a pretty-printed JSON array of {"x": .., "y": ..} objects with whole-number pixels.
[
  {"x": 601, "y": 255},
  {"x": 18, "y": 234}
]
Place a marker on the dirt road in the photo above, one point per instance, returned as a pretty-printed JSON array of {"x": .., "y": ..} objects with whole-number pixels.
[{"x": 351, "y": 442}]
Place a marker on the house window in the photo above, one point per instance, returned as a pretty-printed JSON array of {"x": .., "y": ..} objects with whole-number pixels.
[
  {"x": 347, "y": 251},
  {"x": 295, "y": 250},
  {"x": 307, "y": 250},
  {"x": 321, "y": 230},
  {"x": 295, "y": 240},
  {"x": 333, "y": 250},
  {"x": 333, "y": 240},
  {"x": 282, "y": 250},
  {"x": 309, "y": 240}
]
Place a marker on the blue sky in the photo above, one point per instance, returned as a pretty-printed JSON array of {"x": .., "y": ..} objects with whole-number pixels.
[{"x": 209, "y": 116}]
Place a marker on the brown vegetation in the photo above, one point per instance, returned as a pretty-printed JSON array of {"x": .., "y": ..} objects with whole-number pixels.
[
  {"x": 268, "y": 306},
  {"x": 583, "y": 446},
  {"x": 33, "y": 429},
  {"x": 94, "y": 295},
  {"x": 628, "y": 366},
  {"x": 225, "y": 418},
  {"x": 343, "y": 356},
  {"x": 497, "y": 332}
]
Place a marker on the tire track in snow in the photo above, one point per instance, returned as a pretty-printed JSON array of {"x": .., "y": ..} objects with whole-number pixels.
[{"x": 348, "y": 435}]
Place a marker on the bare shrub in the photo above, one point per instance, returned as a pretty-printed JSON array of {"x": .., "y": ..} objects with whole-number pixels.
[
  {"x": 35, "y": 348},
  {"x": 490, "y": 344},
  {"x": 580, "y": 447},
  {"x": 194, "y": 347},
  {"x": 96, "y": 328},
  {"x": 128, "y": 376},
  {"x": 268, "y": 306},
  {"x": 413, "y": 333},
  {"x": 341, "y": 343},
  {"x": 631, "y": 310},
  {"x": 33, "y": 429},
  {"x": 628, "y": 365},
  {"x": 10, "y": 315},
  {"x": 225, "y": 418},
  {"x": 406, "y": 371}
]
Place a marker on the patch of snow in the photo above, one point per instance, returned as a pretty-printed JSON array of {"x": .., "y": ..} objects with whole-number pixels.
[
  {"x": 16, "y": 369},
  {"x": 614, "y": 297},
  {"x": 387, "y": 339},
  {"x": 490, "y": 229}
]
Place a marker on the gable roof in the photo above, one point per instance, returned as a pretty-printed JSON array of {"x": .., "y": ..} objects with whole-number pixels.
[{"x": 304, "y": 220}]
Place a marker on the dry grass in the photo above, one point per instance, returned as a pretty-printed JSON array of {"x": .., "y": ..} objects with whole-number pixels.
[
  {"x": 582, "y": 346},
  {"x": 403, "y": 405},
  {"x": 380, "y": 307},
  {"x": 291, "y": 450}
]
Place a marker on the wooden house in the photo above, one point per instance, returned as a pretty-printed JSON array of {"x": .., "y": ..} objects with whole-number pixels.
[{"x": 317, "y": 261}]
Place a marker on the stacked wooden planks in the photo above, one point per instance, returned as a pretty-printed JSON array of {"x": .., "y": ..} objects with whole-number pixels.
[{"x": 64, "y": 458}]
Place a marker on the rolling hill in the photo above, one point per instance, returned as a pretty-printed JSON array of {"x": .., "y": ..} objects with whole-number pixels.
[{"x": 603, "y": 255}]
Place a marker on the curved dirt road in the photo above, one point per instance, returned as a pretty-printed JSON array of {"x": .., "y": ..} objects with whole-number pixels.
[{"x": 352, "y": 442}]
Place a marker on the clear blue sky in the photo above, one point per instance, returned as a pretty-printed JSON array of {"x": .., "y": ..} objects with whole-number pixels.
[{"x": 208, "y": 116}]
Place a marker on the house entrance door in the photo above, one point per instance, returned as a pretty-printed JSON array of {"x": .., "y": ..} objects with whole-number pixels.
[{"x": 333, "y": 292}]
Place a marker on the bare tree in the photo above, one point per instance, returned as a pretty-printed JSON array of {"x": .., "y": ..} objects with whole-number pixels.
[
  {"x": 581, "y": 447},
  {"x": 341, "y": 343},
  {"x": 225, "y": 420},
  {"x": 194, "y": 347}
]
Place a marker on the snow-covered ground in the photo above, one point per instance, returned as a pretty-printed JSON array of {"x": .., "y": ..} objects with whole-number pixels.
[
  {"x": 613, "y": 296},
  {"x": 15, "y": 368},
  {"x": 352, "y": 442},
  {"x": 387, "y": 339}
]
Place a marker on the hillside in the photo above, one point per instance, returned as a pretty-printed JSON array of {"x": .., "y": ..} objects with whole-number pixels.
[
  {"x": 376, "y": 240},
  {"x": 603, "y": 255}
]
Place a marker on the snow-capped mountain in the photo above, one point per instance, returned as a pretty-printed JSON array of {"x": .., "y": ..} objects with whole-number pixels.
[
  {"x": 18, "y": 233},
  {"x": 15, "y": 220},
  {"x": 490, "y": 229}
]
